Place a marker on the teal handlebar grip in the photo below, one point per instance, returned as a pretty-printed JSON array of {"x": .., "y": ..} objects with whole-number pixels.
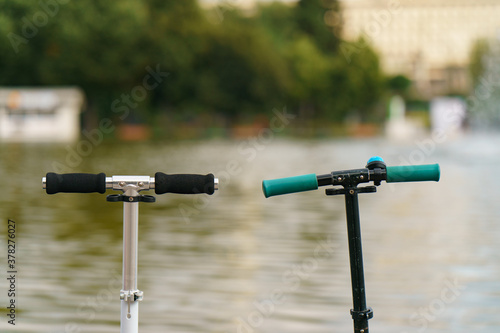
[
  {"x": 413, "y": 173},
  {"x": 289, "y": 185}
]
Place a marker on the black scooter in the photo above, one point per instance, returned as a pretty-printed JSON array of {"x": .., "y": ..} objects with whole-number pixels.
[{"x": 375, "y": 171}]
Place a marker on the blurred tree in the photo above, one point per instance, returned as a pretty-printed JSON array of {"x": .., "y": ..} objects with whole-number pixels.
[
  {"x": 177, "y": 35},
  {"x": 90, "y": 44},
  {"x": 365, "y": 83},
  {"x": 483, "y": 101},
  {"x": 104, "y": 47},
  {"x": 311, "y": 70},
  {"x": 477, "y": 65},
  {"x": 277, "y": 19},
  {"x": 240, "y": 73},
  {"x": 19, "y": 49},
  {"x": 399, "y": 83},
  {"x": 312, "y": 17},
  {"x": 95, "y": 45},
  {"x": 242, "y": 66}
]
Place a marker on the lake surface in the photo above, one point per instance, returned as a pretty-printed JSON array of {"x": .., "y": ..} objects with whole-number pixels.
[{"x": 237, "y": 262}]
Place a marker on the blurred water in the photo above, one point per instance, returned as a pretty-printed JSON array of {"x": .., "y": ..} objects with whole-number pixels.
[{"x": 243, "y": 263}]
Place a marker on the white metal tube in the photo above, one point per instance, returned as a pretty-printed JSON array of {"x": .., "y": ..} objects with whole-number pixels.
[
  {"x": 130, "y": 239},
  {"x": 129, "y": 303},
  {"x": 129, "y": 319}
]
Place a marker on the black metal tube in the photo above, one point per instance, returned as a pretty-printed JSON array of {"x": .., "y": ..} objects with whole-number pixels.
[
  {"x": 360, "y": 313},
  {"x": 324, "y": 180}
]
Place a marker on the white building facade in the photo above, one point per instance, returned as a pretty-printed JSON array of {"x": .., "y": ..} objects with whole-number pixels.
[
  {"x": 40, "y": 114},
  {"x": 428, "y": 40}
]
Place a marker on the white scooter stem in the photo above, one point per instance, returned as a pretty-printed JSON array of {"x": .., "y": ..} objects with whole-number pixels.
[{"x": 130, "y": 295}]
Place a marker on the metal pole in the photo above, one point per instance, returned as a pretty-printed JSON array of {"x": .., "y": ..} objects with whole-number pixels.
[
  {"x": 360, "y": 313},
  {"x": 130, "y": 295}
]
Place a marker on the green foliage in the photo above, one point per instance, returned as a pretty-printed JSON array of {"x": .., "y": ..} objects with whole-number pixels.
[
  {"x": 239, "y": 73},
  {"x": 480, "y": 50},
  {"x": 398, "y": 83},
  {"x": 365, "y": 81},
  {"x": 310, "y": 16},
  {"x": 325, "y": 84},
  {"x": 236, "y": 68}
]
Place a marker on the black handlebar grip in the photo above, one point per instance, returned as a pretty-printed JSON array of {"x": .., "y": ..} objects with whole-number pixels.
[
  {"x": 184, "y": 183},
  {"x": 75, "y": 183}
]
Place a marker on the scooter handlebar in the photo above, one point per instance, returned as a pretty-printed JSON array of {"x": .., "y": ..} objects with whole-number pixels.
[
  {"x": 87, "y": 183},
  {"x": 185, "y": 183},
  {"x": 289, "y": 185},
  {"x": 75, "y": 183},
  {"x": 413, "y": 173},
  {"x": 376, "y": 173}
]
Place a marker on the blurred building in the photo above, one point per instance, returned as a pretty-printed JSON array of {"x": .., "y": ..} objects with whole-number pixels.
[
  {"x": 40, "y": 114},
  {"x": 428, "y": 40}
]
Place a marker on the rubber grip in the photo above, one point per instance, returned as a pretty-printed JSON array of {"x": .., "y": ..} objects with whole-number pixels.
[
  {"x": 289, "y": 185},
  {"x": 75, "y": 183},
  {"x": 413, "y": 173},
  {"x": 184, "y": 183}
]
